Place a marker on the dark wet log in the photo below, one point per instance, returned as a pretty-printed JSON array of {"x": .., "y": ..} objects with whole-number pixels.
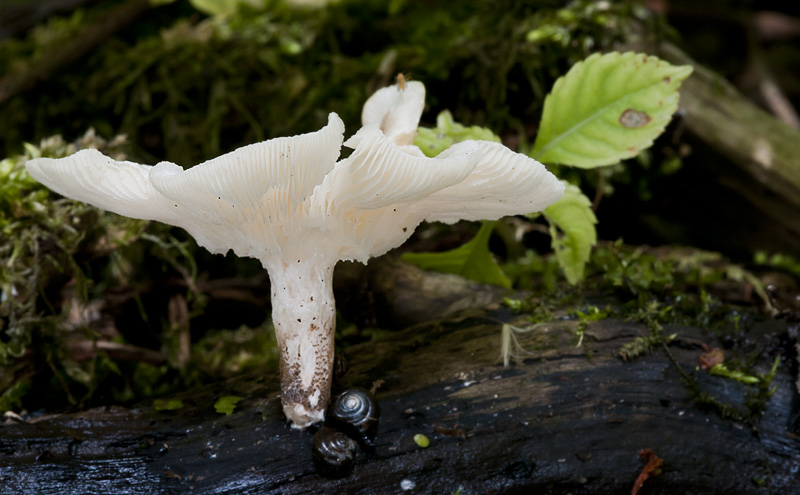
[
  {"x": 390, "y": 294},
  {"x": 564, "y": 419}
]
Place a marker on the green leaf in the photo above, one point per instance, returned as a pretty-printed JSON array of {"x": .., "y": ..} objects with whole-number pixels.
[
  {"x": 167, "y": 404},
  {"x": 223, "y": 7},
  {"x": 606, "y": 108},
  {"x": 12, "y": 396},
  {"x": 448, "y": 132},
  {"x": 421, "y": 440},
  {"x": 472, "y": 260},
  {"x": 227, "y": 404},
  {"x": 573, "y": 215},
  {"x": 75, "y": 371}
]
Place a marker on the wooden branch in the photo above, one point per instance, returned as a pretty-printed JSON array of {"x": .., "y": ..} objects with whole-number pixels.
[
  {"x": 61, "y": 56},
  {"x": 565, "y": 419},
  {"x": 17, "y": 16},
  {"x": 85, "y": 349},
  {"x": 759, "y": 145}
]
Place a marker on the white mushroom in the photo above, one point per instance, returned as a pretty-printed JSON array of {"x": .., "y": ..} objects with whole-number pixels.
[{"x": 289, "y": 203}]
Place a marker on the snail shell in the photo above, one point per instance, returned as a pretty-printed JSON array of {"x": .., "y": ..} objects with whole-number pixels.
[
  {"x": 359, "y": 410},
  {"x": 333, "y": 452}
]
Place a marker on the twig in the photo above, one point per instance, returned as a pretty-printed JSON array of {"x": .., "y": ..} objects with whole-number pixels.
[
  {"x": 87, "y": 349},
  {"x": 178, "y": 311},
  {"x": 598, "y": 195},
  {"x": 80, "y": 45},
  {"x": 774, "y": 98}
]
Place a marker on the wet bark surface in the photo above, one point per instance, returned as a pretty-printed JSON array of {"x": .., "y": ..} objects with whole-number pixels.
[{"x": 561, "y": 419}]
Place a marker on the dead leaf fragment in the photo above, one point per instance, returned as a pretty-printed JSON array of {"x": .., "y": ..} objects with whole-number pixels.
[
  {"x": 451, "y": 432},
  {"x": 652, "y": 468},
  {"x": 711, "y": 358},
  {"x": 172, "y": 474},
  {"x": 376, "y": 385}
]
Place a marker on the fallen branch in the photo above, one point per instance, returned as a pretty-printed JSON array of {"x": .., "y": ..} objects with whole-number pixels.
[
  {"x": 563, "y": 419},
  {"x": 63, "y": 55}
]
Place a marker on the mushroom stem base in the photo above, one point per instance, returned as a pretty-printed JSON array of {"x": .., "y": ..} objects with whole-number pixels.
[{"x": 304, "y": 316}]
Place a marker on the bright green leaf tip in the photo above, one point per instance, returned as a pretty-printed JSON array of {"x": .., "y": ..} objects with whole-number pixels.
[
  {"x": 473, "y": 260},
  {"x": 607, "y": 108},
  {"x": 573, "y": 215},
  {"x": 226, "y": 405},
  {"x": 448, "y": 132}
]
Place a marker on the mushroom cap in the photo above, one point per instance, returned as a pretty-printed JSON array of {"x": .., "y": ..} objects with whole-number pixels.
[
  {"x": 379, "y": 194},
  {"x": 396, "y": 110},
  {"x": 289, "y": 199},
  {"x": 501, "y": 183},
  {"x": 242, "y": 200}
]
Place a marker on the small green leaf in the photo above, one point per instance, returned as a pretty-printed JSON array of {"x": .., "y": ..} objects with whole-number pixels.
[
  {"x": 421, "y": 440},
  {"x": 12, "y": 396},
  {"x": 448, "y": 132},
  {"x": 573, "y": 215},
  {"x": 473, "y": 260},
  {"x": 606, "y": 108},
  {"x": 227, "y": 404},
  {"x": 32, "y": 150},
  {"x": 167, "y": 404},
  {"x": 740, "y": 376},
  {"x": 75, "y": 371}
]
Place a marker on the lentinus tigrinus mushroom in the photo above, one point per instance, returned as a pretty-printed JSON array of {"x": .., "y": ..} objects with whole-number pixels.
[{"x": 289, "y": 203}]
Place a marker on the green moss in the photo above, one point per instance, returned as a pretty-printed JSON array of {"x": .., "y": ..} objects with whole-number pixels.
[
  {"x": 226, "y": 405},
  {"x": 533, "y": 272},
  {"x": 48, "y": 238},
  {"x": 757, "y": 390},
  {"x": 673, "y": 287},
  {"x": 231, "y": 352},
  {"x": 590, "y": 314},
  {"x": 62, "y": 258},
  {"x": 780, "y": 261},
  {"x": 186, "y": 89},
  {"x": 167, "y": 404},
  {"x": 644, "y": 345}
]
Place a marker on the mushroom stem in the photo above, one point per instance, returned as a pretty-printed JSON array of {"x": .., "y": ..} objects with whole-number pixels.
[{"x": 304, "y": 316}]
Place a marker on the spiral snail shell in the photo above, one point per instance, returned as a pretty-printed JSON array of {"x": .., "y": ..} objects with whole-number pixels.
[
  {"x": 359, "y": 410},
  {"x": 333, "y": 452}
]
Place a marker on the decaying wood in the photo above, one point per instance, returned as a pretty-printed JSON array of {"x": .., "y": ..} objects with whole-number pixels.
[
  {"x": 762, "y": 150},
  {"x": 564, "y": 419},
  {"x": 397, "y": 295}
]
